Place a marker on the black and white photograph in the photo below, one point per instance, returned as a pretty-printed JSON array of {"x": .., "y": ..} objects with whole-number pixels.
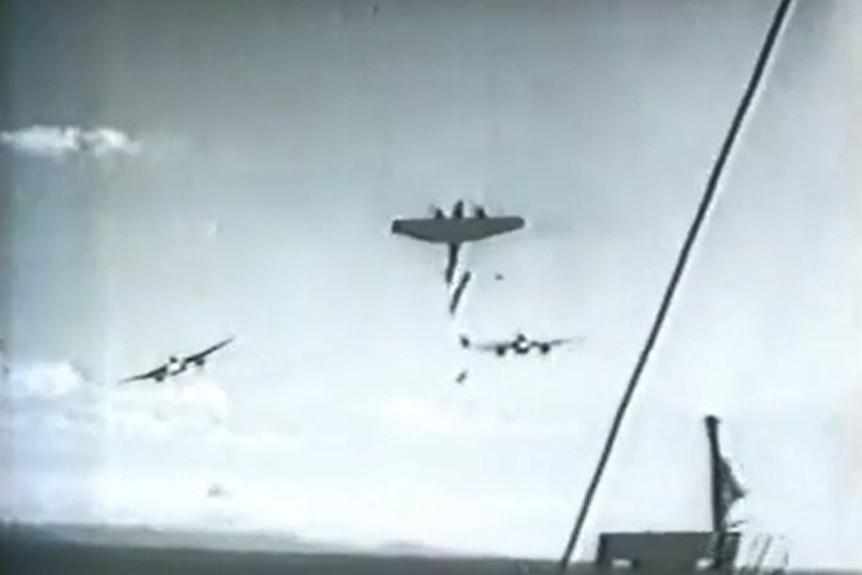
[{"x": 378, "y": 287}]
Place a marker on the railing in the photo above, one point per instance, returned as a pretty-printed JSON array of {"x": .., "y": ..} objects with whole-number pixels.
[{"x": 767, "y": 555}]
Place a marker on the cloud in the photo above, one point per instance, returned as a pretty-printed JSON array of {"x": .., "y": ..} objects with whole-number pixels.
[
  {"x": 54, "y": 397},
  {"x": 68, "y": 433},
  {"x": 107, "y": 141},
  {"x": 57, "y": 142}
]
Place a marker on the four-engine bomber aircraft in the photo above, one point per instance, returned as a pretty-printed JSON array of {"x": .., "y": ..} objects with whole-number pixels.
[
  {"x": 520, "y": 344},
  {"x": 456, "y": 229},
  {"x": 453, "y": 230},
  {"x": 175, "y": 365}
]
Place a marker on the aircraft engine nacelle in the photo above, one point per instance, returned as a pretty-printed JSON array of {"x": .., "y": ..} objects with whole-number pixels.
[{"x": 458, "y": 210}]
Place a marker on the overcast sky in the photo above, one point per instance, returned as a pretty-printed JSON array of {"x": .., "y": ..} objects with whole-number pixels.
[{"x": 267, "y": 147}]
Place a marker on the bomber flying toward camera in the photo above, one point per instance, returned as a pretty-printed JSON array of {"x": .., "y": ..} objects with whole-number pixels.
[
  {"x": 456, "y": 229},
  {"x": 177, "y": 365},
  {"x": 520, "y": 345}
]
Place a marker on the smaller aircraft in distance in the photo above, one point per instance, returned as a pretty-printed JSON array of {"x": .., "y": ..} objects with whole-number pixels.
[
  {"x": 520, "y": 345},
  {"x": 456, "y": 229},
  {"x": 176, "y": 365}
]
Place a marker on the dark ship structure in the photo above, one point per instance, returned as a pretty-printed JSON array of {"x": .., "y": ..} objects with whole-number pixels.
[{"x": 715, "y": 550}]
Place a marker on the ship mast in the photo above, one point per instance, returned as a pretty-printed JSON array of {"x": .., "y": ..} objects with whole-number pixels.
[
  {"x": 725, "y": 492},
  {"x": 715, "y": 474}
]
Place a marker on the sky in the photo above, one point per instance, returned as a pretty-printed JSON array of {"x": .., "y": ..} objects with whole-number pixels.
[{"x": 179, "y": 172}]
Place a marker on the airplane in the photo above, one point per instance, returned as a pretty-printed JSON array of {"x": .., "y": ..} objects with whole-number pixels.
[
  {"x": 456, "y": 229},
  {"x": 520, "y": 344},
  {"x": 175, "y": 365}
]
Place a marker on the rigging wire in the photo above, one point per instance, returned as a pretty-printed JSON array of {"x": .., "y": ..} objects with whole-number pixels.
[{"x": 691, "y": 237}]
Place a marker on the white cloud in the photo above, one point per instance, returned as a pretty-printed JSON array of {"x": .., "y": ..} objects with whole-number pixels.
[
  {"x": 107, "y": 141},
  {"x": 58, "y": 142},
  {"x": 52, "y": 418},
  {"x": 58, "y": 392},
  {"x": 42, "y": 140}
]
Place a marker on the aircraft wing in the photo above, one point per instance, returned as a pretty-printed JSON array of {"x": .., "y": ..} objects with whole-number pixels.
[
  {"x": 161, "y": 371},
  {"x": 456, "y": 231},
  {"x": 563, "y": 341},
  {"x": 490, "y": 345},
  {"x": 212, "y": 349},
  {"x": 423, "y": 229}
]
